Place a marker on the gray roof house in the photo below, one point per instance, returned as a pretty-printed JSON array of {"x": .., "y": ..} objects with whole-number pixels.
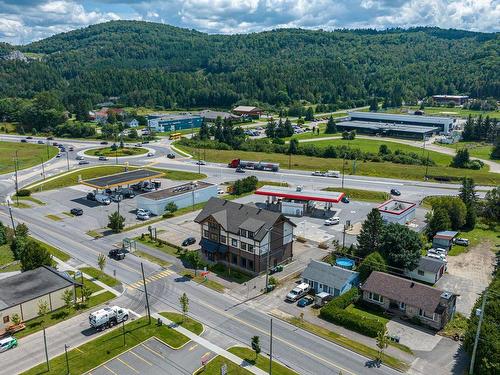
[
  {"x": 429, "y": 270},
  {"x": 324, "y": 277}
]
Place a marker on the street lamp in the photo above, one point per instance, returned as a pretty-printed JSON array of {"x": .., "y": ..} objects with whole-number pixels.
[{"x": 66, "y": 355}]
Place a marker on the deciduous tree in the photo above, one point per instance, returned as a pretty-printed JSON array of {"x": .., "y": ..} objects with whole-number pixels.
[
  {"x": 401, "y": 246},
  {"x": 370, "y": 236}
]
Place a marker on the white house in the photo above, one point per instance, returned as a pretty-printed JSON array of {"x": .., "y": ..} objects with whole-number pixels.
[
  {"x": 132, "y": 123},
  {"x": 429, "y": 270}
]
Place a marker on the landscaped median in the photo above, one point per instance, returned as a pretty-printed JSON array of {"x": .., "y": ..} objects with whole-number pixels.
[
  {"x": 116, "y": 152},
  {"x": 362, "y": 195}
]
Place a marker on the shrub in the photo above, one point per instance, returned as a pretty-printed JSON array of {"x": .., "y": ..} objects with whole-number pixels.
[{"x": 24, "y": 193}]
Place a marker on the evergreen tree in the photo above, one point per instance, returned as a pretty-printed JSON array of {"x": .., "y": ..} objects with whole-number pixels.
[
  {"x": 370, "y": 236},
  {"x": 218, "y": 130},
  {"x": 271, "y": 129},
  {"x": 461, "y": 159},
  {"x": 3, "y": 234},
  {"x": 309, "y": 116},
  {"x": 469, "y": 197},
  {"x": 478, "y": 128},
  {"x": 468, "y": 133},
  {"x": 331, "y": 126},
  {"x": 293, "y": 146},
  {"x": 373, "y": 104},
  {"x": 438, "y": 221},
  {"x": 227, "y": 131},
  {"x": 288, "y": 128},
  {"x": 495, "y": 153},
  {"x": 373, "y": 262},
  {"x": 204, "y": 132}
]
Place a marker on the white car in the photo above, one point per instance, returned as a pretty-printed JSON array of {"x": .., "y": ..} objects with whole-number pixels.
[
  {"x": 142, "y": 216},
  {"x": 332, "y": 221},
  {"x": 143, "y": 211},
  {"x": 200, "y": 162},
  {"x": 150, "y": 154},
  {"x": 318, "y": 173},
  {"x": 220, "y": 191},
  {"x": 436, "y": 256}
]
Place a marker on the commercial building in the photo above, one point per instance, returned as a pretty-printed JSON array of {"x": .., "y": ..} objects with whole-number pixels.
[
  {"x": 396, "y": 211},
  {"x": 248, "y": 111},
  {"x": 167, "y": 123},
  {"x": 324, "y": 277},
  {"x": 445, "y": 99},
  {"x": 22, "y": 293},
  {"x": 121, "y": 179},
  {"x": 385, "y": 122},
  {"x": 433, "y": 307},
  {"x": 210, "y": 116},
  {"x": 297, "y": 201},
  {"x": 429, "y": 270},
  {"x": 244, "y": 236},
  {"x": 182, "y": 195},
  {"x": 388, "y": 129}
]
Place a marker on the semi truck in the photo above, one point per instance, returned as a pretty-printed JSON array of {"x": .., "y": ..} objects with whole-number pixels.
[
  {"x": 108, "y": 317},
  {"x": 257, "y": 165}
]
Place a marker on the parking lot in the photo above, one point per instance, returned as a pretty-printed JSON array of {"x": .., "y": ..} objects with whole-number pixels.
[{"x": 154, "y": 357}]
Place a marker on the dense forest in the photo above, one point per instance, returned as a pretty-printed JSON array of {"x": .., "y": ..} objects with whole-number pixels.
[{"x": 154, "y": 64}]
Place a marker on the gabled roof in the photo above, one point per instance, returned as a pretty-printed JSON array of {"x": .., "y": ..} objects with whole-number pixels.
[
  {"x": 325, "y": 273},
  {"x": 410, "y": 292},
  {"x": 234, "y": 216},
  {"x": 246, "y": 108},
  {"x": 428, "y": 264},
  {"x": 446, "y": 234}
]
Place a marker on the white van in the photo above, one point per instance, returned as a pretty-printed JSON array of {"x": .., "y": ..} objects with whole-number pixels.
[
  {"x": 103, "y": 199},
  {"x": 298, "y": 292}
]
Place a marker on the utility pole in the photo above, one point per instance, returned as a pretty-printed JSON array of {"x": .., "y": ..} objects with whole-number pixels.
[
  {"x": 267, "y": 265},
  {"x": 11, "y": 218},
  {"x": 67, "y": 159},
  {"x": 343, "y": 170},
  {"x": 343, "y": 237},
  {"x": 271, "y": 347},
  {"x": 17, "y": 183},
  {"x": 474, "y": 350},
  {"x": 146, "y": 292},
  {"x": 43, "y": 169},
  {"x": 426, "y": 166},
  {"x": 123, "y": 331},
  {"x": 116, "y": 151},
  {"x": 46, "y": 351},
  {"x": 48, "y": 156},
  {"x": 67, "y": 361}
]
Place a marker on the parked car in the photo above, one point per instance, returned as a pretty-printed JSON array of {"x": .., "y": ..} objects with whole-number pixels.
[
  {"x": 79, "y": 157},
  {"x": 126, "y": 193},
  {"x": 76, "y": 211},
  {"x": 461, "y": 241},
  {"x": 40, "y": 142},
  {"x": 332, "y": 220},
  {"x": 58, "y": 155},
  {"x": 240, "y": 170},
  {"x": 395, "y": 192},
  {"x": 91, "y": 196},
  {"x": 54, "y": 143},
  {"x": 143, "y": 211},
  {"x": 104, "y": 143},
  {"x": 150, "y": 154},
  {"x": 436, "y": 256},
  {"x": 200, "y": 162},
  {"x": 103, "y": 199},
  {"x": 345, "y": 199},
  {"x": 298, "y": 292},
  {"x": 305, "y": 301},
  {"x": 50, "y": 138},
  {"x": 83, "y": 162},
  {"x": 142, "y": 216},
  {"x": 70, "y": 148},
  {"x": 117, "y": 254},
  {"x": 29, "y": 137},
  {"x": 189, "y": 241},
  {"x": 116, "y": 197},
  {"x": 103, "y": 158},
  {"x": 24, "y": 140},
  {"x": 7, "y": 343},
  {"x": 171, "y": 156},
  {"x": 318, "y": 173},
  {"x": 220, "y": 191}
]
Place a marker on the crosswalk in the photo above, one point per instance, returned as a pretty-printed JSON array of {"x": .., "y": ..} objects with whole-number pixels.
[{"x": 156, "y": 276}]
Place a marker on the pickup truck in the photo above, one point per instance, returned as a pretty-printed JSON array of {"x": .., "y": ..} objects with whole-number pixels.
[{"x": 298, "y": 292}]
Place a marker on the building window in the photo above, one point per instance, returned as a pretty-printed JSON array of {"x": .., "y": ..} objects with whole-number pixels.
[
  {"x": 421, "y": 273},
  {"x": 213, "y": 227},
  {"x": 223, "y": 239},
  {"x": 250, "y": 248},
  {"x": 376, "y": 297},
  {"x": 234, "y": 259},
  {"x": 205, "y": 233},
  {"x": 243, "y": 233},
  {"x": 250, "y": 265},
  {"x": 402, "y": 306},
  {"x": 243, "y": 246},
  {"x": 6, "y": 319},
  {"x": 250, "y": 235},
  {"x": 243, "y": 262},
  {"x": 234, "y": 242},
  {"x": 426, "y": 315},
  {"x": 214, "y": 237}
]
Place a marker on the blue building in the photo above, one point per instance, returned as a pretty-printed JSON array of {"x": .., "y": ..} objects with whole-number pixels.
[
  {"x": 323, "y": 277},
  {"x": 168, "y": 123}
]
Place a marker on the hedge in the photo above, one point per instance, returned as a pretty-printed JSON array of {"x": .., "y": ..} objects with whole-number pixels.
[{"x": 334, "y": 312}]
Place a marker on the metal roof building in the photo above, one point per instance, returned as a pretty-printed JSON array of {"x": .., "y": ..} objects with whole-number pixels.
[
  {"x": 396, "y": 211},
  {"x": 122, "y": 179}
]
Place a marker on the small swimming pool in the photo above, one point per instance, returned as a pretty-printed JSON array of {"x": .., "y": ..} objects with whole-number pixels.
[{"x": 345, "y": 263}]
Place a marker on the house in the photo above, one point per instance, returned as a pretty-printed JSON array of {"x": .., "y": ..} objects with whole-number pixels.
[
  {"x": 210, "y": 116},
  {"x": 433, "y": 307},
  {"x": 244, "y": 236},
  {"x": 248, "y": 111},
  {"x": 429, "y": 270},
  {"x": 444, "y": 239},
  {"x": 133, "y": 123},
  {"x": 324, "y": 277},
  {"x": 21, "y": 294},
  {"x": 397, "y": 211}
]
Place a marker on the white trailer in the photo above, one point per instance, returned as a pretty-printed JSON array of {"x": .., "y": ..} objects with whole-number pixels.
[{"x": 108, "y": 317}]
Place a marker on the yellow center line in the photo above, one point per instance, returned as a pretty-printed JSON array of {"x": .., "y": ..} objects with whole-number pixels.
[
  {"x": 192, "y": 347},
  {"x": 107, "y": 368},
  {"x": 126, "y": 364},
  {"x": 152, "y": 350},
  {"x": 138, "y": 356}
]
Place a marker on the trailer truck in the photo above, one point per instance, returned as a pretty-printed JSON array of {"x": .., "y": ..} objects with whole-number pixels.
[
  {"x": 257, "y": 165},
  {"x": 108, "y": 317}
]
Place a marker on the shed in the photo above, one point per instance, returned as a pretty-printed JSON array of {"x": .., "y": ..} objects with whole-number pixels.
[{"x": 444, "y": 239}]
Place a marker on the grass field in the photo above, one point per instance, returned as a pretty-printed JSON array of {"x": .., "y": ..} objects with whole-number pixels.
[
  {"x": 125, "y": 151},
  {"x": 6, "y": 257},
  {"x": 444, "y": 111},
  {"x": 28, "y": 154},
  {"x": 482, "y": 233},
  {"x": 105, "y": 347},
  {"x": 386, "y": 169},
  {"x": 54, "y": 251},
  {"x": 213, "y": 367},
  {"x": 186, "y": 322},
  {"x": 476, "y": 149},
  {"x": 102, "y": 277},
  {"x": 363, "y": 195}
]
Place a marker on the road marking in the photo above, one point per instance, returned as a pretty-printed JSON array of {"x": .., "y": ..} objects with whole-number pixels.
[
  {"x": 138, "y": 356},
  {"x": 192, "y": 347},
  {"x": 126, "y": 364},
  {"x": 107, "y": 368},
  {"x": 151, "y": 278},
  {"x": 78, "y": 349},
  {"x": 152, "y": 351}
]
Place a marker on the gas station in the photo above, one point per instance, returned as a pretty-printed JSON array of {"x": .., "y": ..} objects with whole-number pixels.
[{"x": 298, "y": 201}]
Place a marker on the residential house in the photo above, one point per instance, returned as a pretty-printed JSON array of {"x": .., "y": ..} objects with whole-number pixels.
[
  {"x": 22, "y": 293},
  {"x": 444, "y": 239},
  {"x": 244, "y": 236},
  {"x": 133, "y": 123},
  {"x": 324, "y": 277},
  {"x": 433, "y": 307},
  {"x": 429, "y": 270}
]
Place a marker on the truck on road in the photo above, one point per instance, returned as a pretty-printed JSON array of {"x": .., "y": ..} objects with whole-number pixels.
[
  {"x": 108, "y": 317},
  {"x": 257, "y": 165}
]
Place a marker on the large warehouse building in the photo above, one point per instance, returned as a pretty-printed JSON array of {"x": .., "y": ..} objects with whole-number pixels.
[
  {"x": 408, "y": 126},
  {"x": 167, "y": 123},
  {"x": 182, "y": 195}
]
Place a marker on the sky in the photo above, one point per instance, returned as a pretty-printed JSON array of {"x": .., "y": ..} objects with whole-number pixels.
[{"x": 23, "y": 21}]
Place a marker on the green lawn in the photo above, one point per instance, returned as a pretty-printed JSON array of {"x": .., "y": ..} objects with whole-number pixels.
[
  {"x": 28, "y": 155},
  {"x": 214, "y": 285},
  {"x": 152, "y": 258},
  {"x": 54, "y": 251},
  {"x": 30, "y": 199},
  {"x": 167, "y": 249},
  {"x": 482, "y": 233},
  {"x": 213, "y": 367},
  {"x": 444, "y": 111},
  {"x": 186, "y": 322},
  {"x": 262, "y": 362},
  {"x": 125, "y": 151},
  {"x": 103, "y": 348},
  {"x": 367, "y": 314},
  {"x": 385, "y": 169},
  {"x": 7, "y": 257},
  {"x": 53, "y": 217},
  {"x": 102, "y": 277},
  {"x": 476, "y": 149},
  {"x": 362, "y": 195}
]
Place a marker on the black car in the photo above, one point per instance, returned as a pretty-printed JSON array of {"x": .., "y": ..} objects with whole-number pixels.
[
  {"x": 171, "y": 156},
  {"x": 76, "y": 211},
  {"x": 126, "y": 193},
  {"x": 240, "y": 170},
  {"x": 188, "y": 241},
  {"x": 30, "y": 137},
  {"x": 91, "y": 196},
  {"x": 395, "y": 192},
  {"x": 117, "y": 254},
  {"x": 345, "y": 199},
  {"x": 23, "y": 141},
  {"x": 104, "y": 143}
]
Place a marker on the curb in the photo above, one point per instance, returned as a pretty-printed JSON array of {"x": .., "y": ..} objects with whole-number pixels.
[{"x": 180, "y": 151}]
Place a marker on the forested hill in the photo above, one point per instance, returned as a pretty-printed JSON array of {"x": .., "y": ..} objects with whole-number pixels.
[{"x": 156, "y": 64}]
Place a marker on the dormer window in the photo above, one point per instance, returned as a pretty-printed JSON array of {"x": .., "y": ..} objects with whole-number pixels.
[{"x": 243, "y": 233}]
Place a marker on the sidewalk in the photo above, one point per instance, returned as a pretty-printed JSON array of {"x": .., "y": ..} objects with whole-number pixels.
[{"x": 207, "y": 344}]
